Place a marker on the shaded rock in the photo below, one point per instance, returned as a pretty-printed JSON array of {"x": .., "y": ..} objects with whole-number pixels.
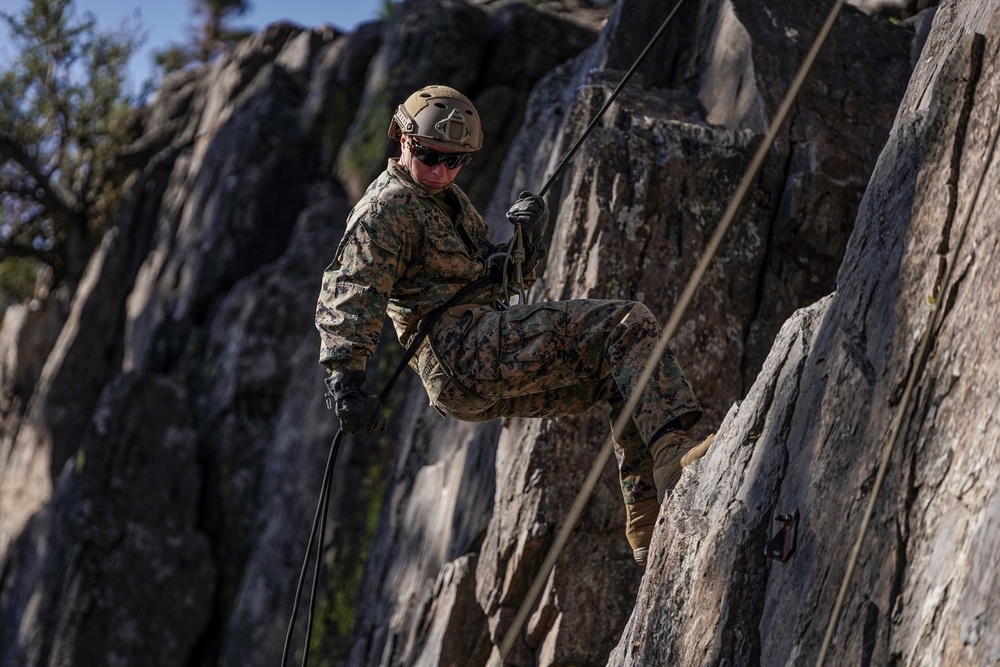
[
  {"x": 438, "y": 505},
  {"x": 75, "y": 371},
  {"x": 592, "y": 14},
  {"x": 729, "y": 501},
  {"x": 77, "y": 586},
  {"x": 198, "y": 221},
  {"x": 207, "y": 287},
  {"x": 235, "y": 207},
  {"x": 27, "y": 335},
  {"x": 335, "y": 90},
  {"x": 541, "y": 464},
  {"x": 455, "y": 635},
  {"x": 833, "y": 142}
]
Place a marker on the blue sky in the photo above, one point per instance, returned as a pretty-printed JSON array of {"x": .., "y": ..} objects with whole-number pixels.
[{"x": 166, "y": 21}]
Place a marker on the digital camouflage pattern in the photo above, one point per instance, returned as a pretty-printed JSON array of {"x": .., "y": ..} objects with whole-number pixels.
[
  {"x": 560, "y": 358},
  {"x": 403, "y": 254}
]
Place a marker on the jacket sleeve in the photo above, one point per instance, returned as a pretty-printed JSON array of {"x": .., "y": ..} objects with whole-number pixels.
[{"x": 355, "y": 292}]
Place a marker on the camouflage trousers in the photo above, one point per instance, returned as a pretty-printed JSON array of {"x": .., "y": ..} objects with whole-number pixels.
[{"x": 559, "y": 358}]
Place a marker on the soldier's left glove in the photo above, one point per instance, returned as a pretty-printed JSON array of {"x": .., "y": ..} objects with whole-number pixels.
[
  {"x": 531, "y": 213},
  {"x": 357, "y": 410}
]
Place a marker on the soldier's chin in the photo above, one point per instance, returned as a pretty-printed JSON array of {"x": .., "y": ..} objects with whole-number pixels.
[{"x": 435, "y": 184}]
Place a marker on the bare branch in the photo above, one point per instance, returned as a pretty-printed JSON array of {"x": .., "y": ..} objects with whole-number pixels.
[{"x": 67, "y": 213}]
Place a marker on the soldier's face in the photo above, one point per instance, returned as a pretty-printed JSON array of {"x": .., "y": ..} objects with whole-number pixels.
[{"x": 434, "y": 178}]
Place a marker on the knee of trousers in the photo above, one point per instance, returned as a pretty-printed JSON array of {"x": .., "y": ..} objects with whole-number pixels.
[
  {"x": 641, "y": 313},
  {"x": 638, "y": 322}
]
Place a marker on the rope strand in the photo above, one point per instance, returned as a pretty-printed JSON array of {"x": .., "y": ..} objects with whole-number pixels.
[
  {"x": 515, "y": 257},
  {"x": 614, "y": 95},
  {"x": 318, "y": 526}
]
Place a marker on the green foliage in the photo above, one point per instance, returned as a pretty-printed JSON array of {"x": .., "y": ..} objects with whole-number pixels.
[
  {"x": 17, "y": 280},
  {"x": 337, "y": 606},
  {"x": 172, "y": 59},
  {"x": 387, "y": 8},
  {"x": 63, "y": 117}
]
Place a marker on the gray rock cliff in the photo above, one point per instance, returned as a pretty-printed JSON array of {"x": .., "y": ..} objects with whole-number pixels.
[
  {"x": 811, "y": 433},
  {"x": 163, "y": 428}
]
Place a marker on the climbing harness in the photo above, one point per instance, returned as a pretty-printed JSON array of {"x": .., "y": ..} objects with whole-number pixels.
[
  {"x": 916, "y": 371},
  {"x": 583, "y": 497}
]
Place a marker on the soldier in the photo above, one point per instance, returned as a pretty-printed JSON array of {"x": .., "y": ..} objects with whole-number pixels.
[{"x": 414, "y": 240}]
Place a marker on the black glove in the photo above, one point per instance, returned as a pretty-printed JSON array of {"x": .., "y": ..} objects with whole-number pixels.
[
  {"x": 532, "y": 214},
  {"x": 357, "y": 410},
  {"x": 529, "y": 211}
]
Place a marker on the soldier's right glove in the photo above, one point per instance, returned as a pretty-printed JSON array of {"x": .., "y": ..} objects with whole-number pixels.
[
  {"x": 528, "y": 211},
  {"x": 357, "y": 410},
  {"x": 531, "y": 213}
]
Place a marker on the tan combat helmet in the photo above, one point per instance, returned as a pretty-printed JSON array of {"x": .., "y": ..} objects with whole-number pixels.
[{"x": 439, "y": 114}]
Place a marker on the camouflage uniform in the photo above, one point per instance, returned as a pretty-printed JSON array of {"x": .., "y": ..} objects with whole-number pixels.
[{"x": 403, "y": 254}]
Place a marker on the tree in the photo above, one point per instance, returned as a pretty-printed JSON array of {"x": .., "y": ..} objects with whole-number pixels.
[
  {"x": 215, "y": 33},
  {"x": 212, "y": 36},
  {"x": 63, "y": 117},
  {"x": 387, "y": 8}
]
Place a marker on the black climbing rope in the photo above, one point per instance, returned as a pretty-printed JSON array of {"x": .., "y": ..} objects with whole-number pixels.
[{"x": 611, "y": 98}]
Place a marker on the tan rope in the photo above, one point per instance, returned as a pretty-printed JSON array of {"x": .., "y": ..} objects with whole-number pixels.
[{"x": 583, "y": 497}]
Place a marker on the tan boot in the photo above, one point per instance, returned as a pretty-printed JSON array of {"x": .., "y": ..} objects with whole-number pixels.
[
  {"x": 640, "y": 518},
  {"x": 671, "y": 454}
]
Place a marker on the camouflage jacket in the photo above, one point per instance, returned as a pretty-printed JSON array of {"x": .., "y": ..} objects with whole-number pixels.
[{"x": 401, "y": 254}]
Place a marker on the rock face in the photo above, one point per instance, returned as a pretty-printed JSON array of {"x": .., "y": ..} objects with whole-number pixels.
[
  {"x": 115, "y": 562},
  {"x": 812, "y": 431},
  {"x": 208, "y": 281},
  {"x": 164, "y": 433}
]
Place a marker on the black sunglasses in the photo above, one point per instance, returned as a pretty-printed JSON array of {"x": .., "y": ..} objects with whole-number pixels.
[{"x": 431, "y": 157}]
